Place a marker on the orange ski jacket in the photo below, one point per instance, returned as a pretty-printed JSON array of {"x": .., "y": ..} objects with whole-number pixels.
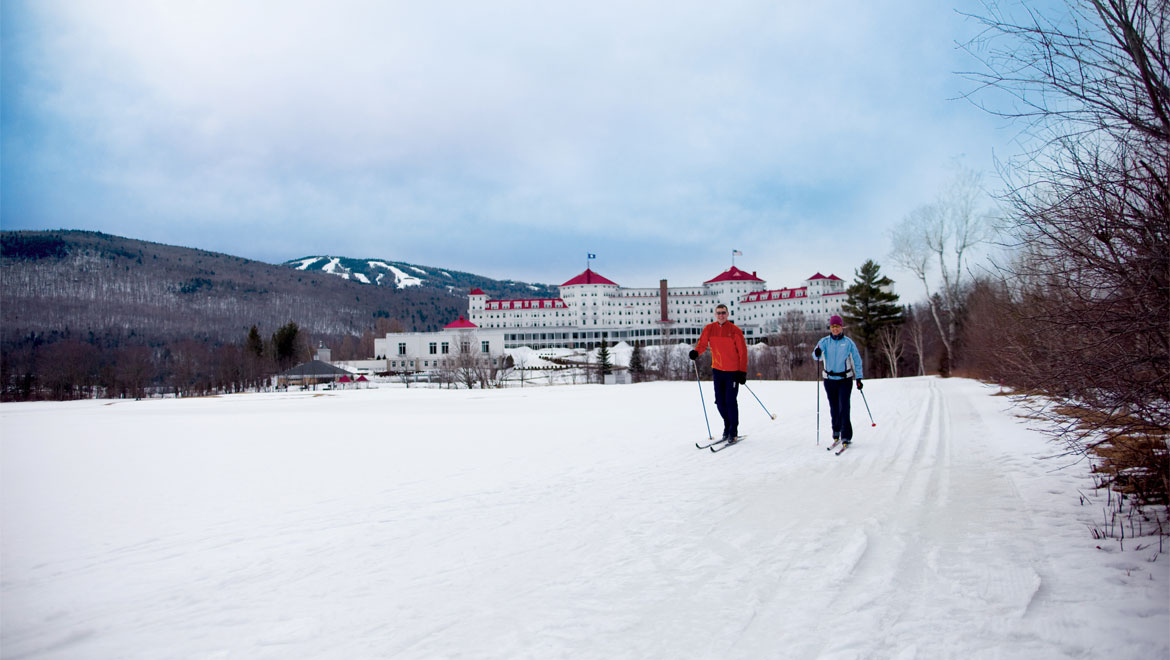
[{"x": 728, "y": 347}]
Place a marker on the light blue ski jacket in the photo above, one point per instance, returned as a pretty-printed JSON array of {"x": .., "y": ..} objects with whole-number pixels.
[{"x": 840, "y": 356}]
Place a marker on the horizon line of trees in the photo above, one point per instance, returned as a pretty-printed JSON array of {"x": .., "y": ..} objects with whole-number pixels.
[{"x": 64, "y": 366}]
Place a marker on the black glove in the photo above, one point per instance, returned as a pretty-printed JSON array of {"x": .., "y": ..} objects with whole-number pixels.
[
  {"x": 817, "y": 352},
  {"x": 694, "y": 355},
  {"x": 741, "y": 377},
  {"x": 859, "y": 383}
]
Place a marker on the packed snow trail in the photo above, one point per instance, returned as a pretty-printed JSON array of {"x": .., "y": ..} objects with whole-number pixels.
[{"x": 559, "y": 522}]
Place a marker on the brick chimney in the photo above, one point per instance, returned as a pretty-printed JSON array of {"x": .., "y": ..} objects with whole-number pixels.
[{"x": 662, "y": 300}]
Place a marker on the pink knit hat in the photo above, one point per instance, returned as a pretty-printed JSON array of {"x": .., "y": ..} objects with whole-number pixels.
[{"x": 836, "y": 320}]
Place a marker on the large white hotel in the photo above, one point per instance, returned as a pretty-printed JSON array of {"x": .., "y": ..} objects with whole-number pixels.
[{"x": 593, "y": 308}]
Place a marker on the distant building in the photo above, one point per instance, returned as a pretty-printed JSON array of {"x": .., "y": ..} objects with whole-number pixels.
[
  {"x": 310, "y": 373},
  {"x": 592, "y": 308},
  {"x": 427, "y": 351}
]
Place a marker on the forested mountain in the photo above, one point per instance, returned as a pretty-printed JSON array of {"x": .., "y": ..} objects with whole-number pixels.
[
  {"x": 87, "y": 284},
  {"x": 88, "y": 314}
]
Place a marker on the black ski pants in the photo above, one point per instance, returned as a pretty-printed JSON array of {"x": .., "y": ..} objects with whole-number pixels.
[
  {"x": 839, "y": 392},
  {"x": 726, "y": 391}
]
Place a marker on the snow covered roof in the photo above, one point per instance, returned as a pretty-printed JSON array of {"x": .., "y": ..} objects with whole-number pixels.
[
  {"x": 734, "y": 274},
  {"x": 589, "y": 277},
  {"x": 461, "y": 323}
]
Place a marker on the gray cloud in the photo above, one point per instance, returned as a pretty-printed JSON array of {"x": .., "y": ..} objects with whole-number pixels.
[{"x": 475, "y": 129}]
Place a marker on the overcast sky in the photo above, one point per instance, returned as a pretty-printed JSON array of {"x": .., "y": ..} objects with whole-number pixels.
[{"x": 506, "y": 138}]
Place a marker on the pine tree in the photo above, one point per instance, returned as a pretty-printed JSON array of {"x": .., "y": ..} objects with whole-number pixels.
[
  {"x": 255, "y": 344},
  {"x": 870, "y": 306},
  {"x": 286, "y": 342},
  {"x": 603, "y": 363},
  {"x": 637, "y": 362}
]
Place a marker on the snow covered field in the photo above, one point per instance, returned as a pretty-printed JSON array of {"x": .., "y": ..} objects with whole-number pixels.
[{"x": 557, "y": 522}]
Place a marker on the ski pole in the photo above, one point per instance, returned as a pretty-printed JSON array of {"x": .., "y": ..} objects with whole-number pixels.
[
  {"x": 818, "y": 404},
  {"x": 761, "y": 402},
  {"x": 871, "y": 422},
  {"x": 705, "y": 418}
]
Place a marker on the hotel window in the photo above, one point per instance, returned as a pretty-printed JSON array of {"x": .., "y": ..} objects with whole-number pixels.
[
  {"x": 434, "y": 348},
  {"x": 446, "y": 348},
  {"x": 402, "y": 349}
]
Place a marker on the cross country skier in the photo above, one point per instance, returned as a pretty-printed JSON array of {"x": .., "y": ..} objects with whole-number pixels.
[
  {"x": 841, "y": 364},
  {"x": 729, "y": 361}
]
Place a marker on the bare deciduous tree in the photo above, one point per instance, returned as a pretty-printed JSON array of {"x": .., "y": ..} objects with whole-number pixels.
[
  {"x": 942, "y": 234},
  {"x": 793, "y": 341},
  {"x": 1090, "y": 208},
  {"x": 916, "y": 336},
  {"x": 890, "y": 345}
]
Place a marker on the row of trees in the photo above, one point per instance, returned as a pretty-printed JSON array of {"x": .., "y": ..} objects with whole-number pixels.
[
  {"x": 1079, "y": 310},
  {"x": 71, "y": 367},
  {"x": 67, "y": 365},
  {"x": 1076, "y": 306}
]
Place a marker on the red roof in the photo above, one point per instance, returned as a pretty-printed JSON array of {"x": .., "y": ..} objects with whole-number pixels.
[
  {"x": 362, "y": 379},
  {"x": 344, "y": 379},
  {"x": 734, "y": 274},
  {"x": 527, "y": 303},
  {"x": 776, "y": 294},
  {"x": 589, "y": 277},
  {"x": 477, "y": 292},
  {"x": 818, "y": 276},
  {"x": 461, "y": 323}
]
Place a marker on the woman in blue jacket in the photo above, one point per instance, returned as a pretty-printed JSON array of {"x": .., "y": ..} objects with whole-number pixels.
[{"x": 841, "y": 363}]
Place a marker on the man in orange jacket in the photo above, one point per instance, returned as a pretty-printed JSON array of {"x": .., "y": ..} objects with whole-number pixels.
[{"x": 729, "y": 359}]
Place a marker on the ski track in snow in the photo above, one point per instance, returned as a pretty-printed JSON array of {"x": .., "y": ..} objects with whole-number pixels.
[
  {"x": 559, "y": 522},
  {"x": 305, "y": 263},
  {"x": 404, "y": 279},
  {"x": 333, "y": 265}
]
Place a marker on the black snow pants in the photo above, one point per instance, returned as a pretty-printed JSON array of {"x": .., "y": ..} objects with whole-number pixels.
[
  {"x": 839, "y": 392},
  {"x": 726, "y": 391}
]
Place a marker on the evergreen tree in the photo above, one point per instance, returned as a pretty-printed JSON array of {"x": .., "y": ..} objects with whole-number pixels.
[
  {"x": 870, "y": 306},
  {"x": 603, "y": 364},
  {"x": 286, "y": 345},
  {"x": 637, "y": 362},
  {"x": 255, "y": 344}
]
